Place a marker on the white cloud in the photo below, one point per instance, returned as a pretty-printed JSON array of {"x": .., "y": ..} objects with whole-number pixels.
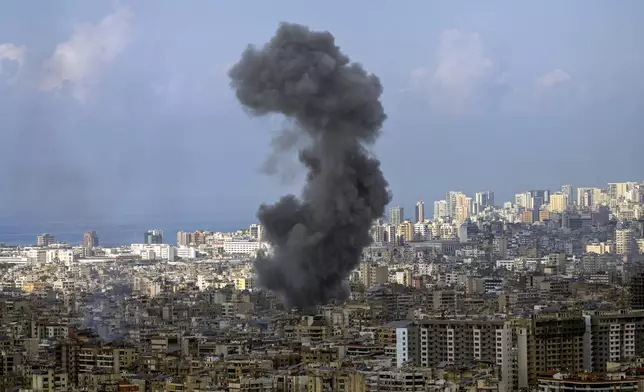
[
  {"x": 77, "y": 63},
  {"x": 13, "y": 53},
  {"x": 553, "y": 78},
  {"x": 464, "y": 74}
]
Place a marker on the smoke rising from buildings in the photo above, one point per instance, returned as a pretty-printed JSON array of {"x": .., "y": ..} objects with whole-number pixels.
[
  {"x": 100, "y": 306},
  {"x": 279, "y": 162},
  {"x": 318, "y": 238}
]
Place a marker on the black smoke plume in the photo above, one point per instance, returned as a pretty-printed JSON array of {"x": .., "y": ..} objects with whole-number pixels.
[{"x": 317, "y": 239}]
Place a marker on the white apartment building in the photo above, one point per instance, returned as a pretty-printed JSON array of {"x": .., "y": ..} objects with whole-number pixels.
[
  {"x": 624, "y": 241},
  {"x": 65, "y": 256},
  {"x": 612, "y": 337},
  {"x": 507, "y": 264},
  {"x": 464, "y": 340},
  {"x": 255, "y": 231},
  {"x": 433, "y": 341},
  {"x": 155, "y": 251},
  {"x": 37, "y": 255},
  {"x": 186, "y": 252},
  {"x": 243, "y": 247},
  {"x": 424, "y": 229}
]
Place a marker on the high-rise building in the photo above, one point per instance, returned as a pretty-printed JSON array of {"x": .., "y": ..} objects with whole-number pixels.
[
  {"x": 484, "y": 199},
  {"x": 532, "y": 199},
  {"x": 396, "y": 215},
  {"x": 377, "y": 232},
  {"x": 406, "y": 231},
  {"x": 615, "y": 337},
  {"x": 90, "y": 239},
  {"x": 45, "y": 239},
  {"x": 152, "y": 237},
  {"x": 523, "y": 200},
  {"x": 558, "y": 202},
  {"x": 199, "y": 237},
  {"x": 420, "y": 211},
  {"x": 567, "y": 191},
  {"x": 470, "y": 205},
  {"x": 184, "y": 238},
  {"x": 558, "y": 340},
  {"x": 462, "y": 207},
  {"x": 617, "y": 190},
  {"x": 539, "y": 198},
  {"x": 390, "y": 234},
  {"x": 440, "y": 209},
  {"x": 256, "y": 231},
  {"x": 624, "y": 242},
  {"x": 373, "y": 275},
  {"x": 464, "y": 341},
  {"x": 586, "y": 196},
  {"x": 636, "y": 291},
  {"x": 451, "y": 200}
]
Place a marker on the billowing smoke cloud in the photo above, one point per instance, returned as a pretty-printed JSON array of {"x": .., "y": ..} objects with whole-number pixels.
[
  {"x": 319, "y": 237},
  {"x": 278, "y": 162}
]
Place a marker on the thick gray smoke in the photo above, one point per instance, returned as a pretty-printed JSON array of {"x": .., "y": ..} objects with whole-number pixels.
[{"x": 317, "y": 239}]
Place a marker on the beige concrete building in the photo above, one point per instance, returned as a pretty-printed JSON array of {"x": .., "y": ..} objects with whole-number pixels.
[
  {"x": 558, "y": 202},
  {"x": 624, "y": 241},
  {"x": 373, "y": 275}
]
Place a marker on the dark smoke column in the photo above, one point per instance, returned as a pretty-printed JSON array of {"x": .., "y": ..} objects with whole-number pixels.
[{"x": 317, "y": 239}]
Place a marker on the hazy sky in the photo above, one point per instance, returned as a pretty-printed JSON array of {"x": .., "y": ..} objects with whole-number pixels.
[{"x": 117, "y": 108}]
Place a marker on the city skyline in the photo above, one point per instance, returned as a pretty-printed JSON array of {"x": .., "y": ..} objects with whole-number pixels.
[
  {"x": 284, "y": 196},
  {"x": 570, "y": 195},
  {"x": 545, "y": 291},
  {"x": 566, "y": 198},
  {"x": 473, "y": 93},
  {"x": 361, "y": 196}
]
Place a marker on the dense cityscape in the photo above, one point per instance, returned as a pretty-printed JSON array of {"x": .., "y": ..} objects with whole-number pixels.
[{"x": 544, "y": 292}]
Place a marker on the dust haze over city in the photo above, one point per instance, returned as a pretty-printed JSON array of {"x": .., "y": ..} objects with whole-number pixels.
[{"x": 282, "y": 195}]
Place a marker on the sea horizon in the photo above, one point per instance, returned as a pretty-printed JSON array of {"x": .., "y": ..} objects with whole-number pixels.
[{"x": 110, "y": 234}]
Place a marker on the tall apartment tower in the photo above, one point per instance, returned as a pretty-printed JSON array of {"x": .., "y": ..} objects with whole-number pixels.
[
  {"x": 430, "y": 342},
  {"x": 617, "y": 190},
  {"x": 567, "y": 191},
  {"x": 373, "y": 275},
  {"x": 90, "y": 239},
  {"x": 462, "y": 207},
  {"x": 396, "y": 215},
  {"x": 539, "y": 197},
  {"x": 636, "y": 291},
  {"x": 256, "y": 231},
  {"x": 45, "y": 239},
  {"x": 153, "y": 237},
  {"x": 624, "y": 242},
  {"x": 420, "y": 211},
  {"x": 484, "y": 199},
  {"x": 558, "y": 202},
  {"x": 184, "y": 238},
  {"x": 615, "y": 336},
  {"x": 558, "y": 340},
  {"x": 451, "y": 199},
  {"x": 440, "y": 209},
  {"x": 585, "y": 197}
]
